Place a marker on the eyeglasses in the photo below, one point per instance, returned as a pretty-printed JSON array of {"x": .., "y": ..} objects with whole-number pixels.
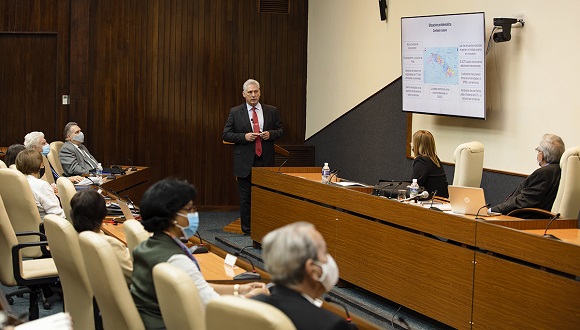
[{"x": 538, "y": 149}]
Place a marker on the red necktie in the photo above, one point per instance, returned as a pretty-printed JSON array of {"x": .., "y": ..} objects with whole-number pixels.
[{"x": 256, "y": 127}]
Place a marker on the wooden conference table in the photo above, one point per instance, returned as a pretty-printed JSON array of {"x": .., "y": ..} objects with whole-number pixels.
[{"x": 469, "y": 274}]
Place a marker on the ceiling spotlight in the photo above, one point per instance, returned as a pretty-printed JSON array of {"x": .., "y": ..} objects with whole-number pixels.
[{"x": 506, "y": 28}]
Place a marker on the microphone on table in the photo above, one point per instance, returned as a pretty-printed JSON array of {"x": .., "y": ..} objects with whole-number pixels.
[
  {"x": 404, "y": 322},
  {"x": 247, "y": 275},
  {"x": 424, "y": 194},
  {"x": 550, "y": 236},
  {"x": 334, "y": 301},
  {"x": 198, "y": 248},
  {"x": 431, "y": 207},
  {"x": 481, "y": 208},
  {"x": 114, "y": 193},
  {"x": 132, "y": 203},
  {"x": 333, "y": 173},
  {"x": 395, "y": 187},
  {"x": 282, "y": 165}
]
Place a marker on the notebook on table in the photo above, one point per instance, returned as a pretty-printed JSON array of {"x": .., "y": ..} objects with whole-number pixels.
[{"x": 469, "y": 200}]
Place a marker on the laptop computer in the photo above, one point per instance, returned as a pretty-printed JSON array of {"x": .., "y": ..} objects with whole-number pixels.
[{"x": 468, "y": 200}]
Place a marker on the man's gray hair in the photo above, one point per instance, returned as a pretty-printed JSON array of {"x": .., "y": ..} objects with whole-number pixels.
[
  {"x": 286, "y": 250},
  {"x": 67, "y": 128},
  {"x": 250, "y": 82},
  {"x": 552, "y": 147},
  {"x": 33, "y": 139}
]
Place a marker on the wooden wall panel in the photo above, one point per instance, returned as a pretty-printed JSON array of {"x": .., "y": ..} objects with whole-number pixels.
[
  {"x": 162, "y": 76},
  {"x": 152, "y": 81}
]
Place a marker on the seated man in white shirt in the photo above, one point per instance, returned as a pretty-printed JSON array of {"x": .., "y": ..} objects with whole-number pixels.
[
  {"x": 29, "y": 162},
  {"x": 75, "y": 158}
]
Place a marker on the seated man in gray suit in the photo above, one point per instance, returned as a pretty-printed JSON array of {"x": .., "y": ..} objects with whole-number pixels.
[
  {"x": 74, "y": 156},
  {"x": 295, "y": 256}
]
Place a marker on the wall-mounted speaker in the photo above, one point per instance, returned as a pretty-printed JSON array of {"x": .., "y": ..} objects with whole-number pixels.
[{"x": 383, "y": 9}]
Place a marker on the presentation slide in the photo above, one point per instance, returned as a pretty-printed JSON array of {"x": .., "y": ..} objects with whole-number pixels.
[{"x": 443, "y": 64}]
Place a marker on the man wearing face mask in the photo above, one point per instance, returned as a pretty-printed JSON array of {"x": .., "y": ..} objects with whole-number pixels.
[
  {"x": 36, "y": 141},
  {"x": 296, "y": 258},
  {"x": 539, "y": 189},
  {"x": 29, "y": 162},
  {"x": 168, "y": 212},
  {"x": 74, "y": 156}
]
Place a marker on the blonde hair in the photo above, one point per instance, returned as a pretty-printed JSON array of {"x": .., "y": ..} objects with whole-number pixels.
[{"x": 424, "y": 145}]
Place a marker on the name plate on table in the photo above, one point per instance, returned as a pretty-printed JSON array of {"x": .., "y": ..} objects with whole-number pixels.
[{"x": 230, "y": 260}]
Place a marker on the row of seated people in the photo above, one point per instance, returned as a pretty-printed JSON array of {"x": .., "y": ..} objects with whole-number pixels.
[
  {"x": 301, "y": 276},
  {"x": 538, "y": 190}
]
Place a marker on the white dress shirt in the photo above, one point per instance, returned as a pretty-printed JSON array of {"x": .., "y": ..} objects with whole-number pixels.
[
  {"x": 46, "y": 200},
  {"x": 260, "y": 114}
]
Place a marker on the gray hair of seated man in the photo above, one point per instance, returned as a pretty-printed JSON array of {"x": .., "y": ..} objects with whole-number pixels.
[
  {"x": 33, "y": 139},
  {"x": 552, "y": 147},
  {"x": 286, "y": 250}
]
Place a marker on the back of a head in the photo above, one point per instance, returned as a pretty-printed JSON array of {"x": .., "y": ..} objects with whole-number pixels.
[
  {"x": 28, "y": 161},
  {"x": 162, "y": 201},
  {"x": 88, "y": 209},
  {"x": 12, "y": 152},
  {"x": 424, "y": 145},
  {"x": 33, "y": 139},
  {"x": 286, "y": 250},
  {"x": 552, "y": 146}
]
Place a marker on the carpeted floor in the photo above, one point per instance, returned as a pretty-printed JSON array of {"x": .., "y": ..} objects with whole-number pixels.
[{"x": 377, "y": 310}]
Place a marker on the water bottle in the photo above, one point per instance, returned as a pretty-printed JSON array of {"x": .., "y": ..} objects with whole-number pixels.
[
  {"x": 99, "y": 173},
  {"x": 325, "y": 173},
  {"x": 414, "y": 191}
]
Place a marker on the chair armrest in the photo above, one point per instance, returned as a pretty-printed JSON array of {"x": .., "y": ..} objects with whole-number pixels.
[
  {"x": 16, "y": 262},
  {"x": 532, "y": 213},
  {"x": 29, "y": 233}
]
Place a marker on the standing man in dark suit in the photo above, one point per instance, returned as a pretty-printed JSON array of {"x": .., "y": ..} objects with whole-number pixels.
[
  {"x": 253, "y": 128},
  {"x": 296, "y": 258},
  {"x": 75, "y": 158},
  {"x": 539, "y": 189}
]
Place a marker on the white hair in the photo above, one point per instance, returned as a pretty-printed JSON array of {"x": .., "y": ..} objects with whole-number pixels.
[
  {"x": 33, "y": 139},
  {"x": 286, "y": 250},
  {"x": 250, "y": 82},
  {"x": 552, "y": 147}
]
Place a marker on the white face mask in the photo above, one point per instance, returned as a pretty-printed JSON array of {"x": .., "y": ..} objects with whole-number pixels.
[
  {"x": 79, "y": 137},
  {"x": 329, "y": 276}
]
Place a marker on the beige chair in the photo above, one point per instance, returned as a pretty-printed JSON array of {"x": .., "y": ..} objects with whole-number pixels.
[
  {"x": 64, "y": 247},
  {"x": 3, "y": 165},
  {"x": 178, "y": 298},
  {"x": 21, "y": 207},
  {"x": 135, "y": 234},
  {"x": 567, "y": 201},
  {"x": 108, "y": 283},
  {"x": 30, "y": 273},
  {"x": 468, "y": 164},
  {"x": 66, "y": 191},
  {"x": 229, "y": 312},
  {"x": 53, "y": 157},
  {"x": 12, "y": 167},
  {"x": 48, "y": 177}
]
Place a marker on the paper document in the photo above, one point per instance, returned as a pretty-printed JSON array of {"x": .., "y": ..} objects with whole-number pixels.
[{"x": 349, "y": 184}]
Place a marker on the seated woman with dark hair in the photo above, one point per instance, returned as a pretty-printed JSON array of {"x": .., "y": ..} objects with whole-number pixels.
[
  {"x": 427, "y": 168},
  {"x": 12, "y": 152},
  {"x": 88, "y": 209},
  {"x": 167, "y": 211},
  {"x": 29, "y": 162}
]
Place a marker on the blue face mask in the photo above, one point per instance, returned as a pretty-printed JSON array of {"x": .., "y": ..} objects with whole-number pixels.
[
  {"x": 45, "y": 150},
  {"x": 193, "y": 219}
]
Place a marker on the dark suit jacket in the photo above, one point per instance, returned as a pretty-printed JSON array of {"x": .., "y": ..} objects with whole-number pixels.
[
  {"x": 72, "y": 160},
  {"x": 303, "y": 313},
  {"x": 538, "y": 190},
  {"x": 238, "y": 124}
]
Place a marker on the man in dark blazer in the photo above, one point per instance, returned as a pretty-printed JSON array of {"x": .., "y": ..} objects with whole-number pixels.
[
  {"x": 296, "y": 258},
  {"x": 539, "y": 189},
  {"x": 75, "y": 158},
  {"x": 253, "y": 128}
]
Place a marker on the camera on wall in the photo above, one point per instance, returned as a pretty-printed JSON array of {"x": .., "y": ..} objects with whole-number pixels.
[{"x": 506, "y": 28}]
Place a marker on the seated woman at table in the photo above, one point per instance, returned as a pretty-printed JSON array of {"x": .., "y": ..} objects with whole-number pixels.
[
  {"x": 167, "y": 211},
  {"x": 88, "y": 210},
  {"x": 29, "y": 162},
  {"x": 427, "y": 168}
]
